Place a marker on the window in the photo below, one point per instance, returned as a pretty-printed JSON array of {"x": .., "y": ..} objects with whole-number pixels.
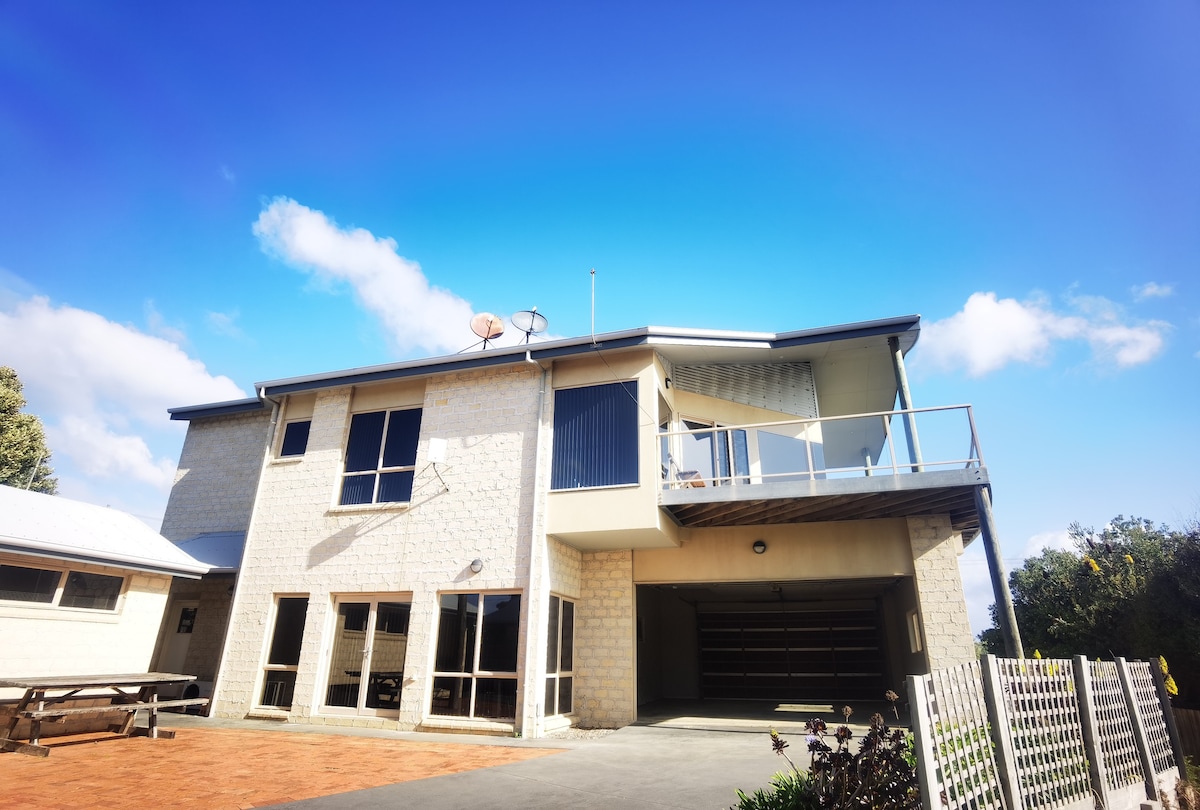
[
  {"x": 78, "y": 589},
  {"x": 295, "y": 438},
  {"x": 560, "y": 657},
  {"x": 595, "y": 436},
  {"x": 475, "y": 673},
  {"x": 283, "y": 657},
  {"x": 381, "y": 457}
]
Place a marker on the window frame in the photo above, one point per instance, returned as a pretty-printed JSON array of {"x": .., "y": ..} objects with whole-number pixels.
[
  {"x": 283, "y": 439},
  {"x": 562, "y": 454},
  {"x": 267, "y": 667},
  {"x": 380, "y": 471},
  {"x": 63, "y": 573},
  {"x": 474, "y": 674},
  {"x": 555, "y": 673}
]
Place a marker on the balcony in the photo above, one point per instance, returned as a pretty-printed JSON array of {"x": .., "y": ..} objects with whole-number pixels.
[{"x": 901, "y": 463}]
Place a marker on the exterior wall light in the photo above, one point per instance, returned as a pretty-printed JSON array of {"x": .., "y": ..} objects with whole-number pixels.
[
  {"x": 476, "y": 565},
  {"x": 759, "y": 546}
]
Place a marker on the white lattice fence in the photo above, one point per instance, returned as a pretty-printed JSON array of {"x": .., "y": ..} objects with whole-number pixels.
[
  {"x": 959, "y": 765},
  {"x": 1042, "y": 735},
  {"x": 1045, "y": 731},
  {"x": 1151, "y": 724},
  {"x": 1117, "y": 772}
]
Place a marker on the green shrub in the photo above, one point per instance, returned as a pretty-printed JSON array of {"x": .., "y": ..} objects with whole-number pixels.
[
  {"x": 881, "y": 776},
  {"x": 788, "y": 791}
]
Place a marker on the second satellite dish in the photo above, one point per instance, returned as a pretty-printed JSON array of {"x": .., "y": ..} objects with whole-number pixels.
[
  {"x": 530, "y": 321},
  {"x": 487, "y": 326}
]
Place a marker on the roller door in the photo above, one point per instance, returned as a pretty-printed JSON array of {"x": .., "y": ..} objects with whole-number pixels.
[{"x": 791, "y": 655}]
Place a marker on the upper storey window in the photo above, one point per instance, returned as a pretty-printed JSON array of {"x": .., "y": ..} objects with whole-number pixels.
[
  {"x": 595, "y": 436},
  {"x": 381, "y": 455},
  {"x": 295, "y": 438}
]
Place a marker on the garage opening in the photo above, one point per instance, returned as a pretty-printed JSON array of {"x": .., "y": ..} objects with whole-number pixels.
[{"x": 796, "y": 642}]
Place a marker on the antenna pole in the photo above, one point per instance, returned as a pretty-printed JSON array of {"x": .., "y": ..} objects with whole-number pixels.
[{"x": 593, "y": 306}]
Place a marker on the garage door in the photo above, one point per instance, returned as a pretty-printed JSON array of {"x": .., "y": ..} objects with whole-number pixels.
[{"x": 792, "y": 655}]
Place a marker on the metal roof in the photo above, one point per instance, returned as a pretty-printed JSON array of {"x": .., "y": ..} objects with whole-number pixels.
[
  {"x": 35, "y": 524},
  {"x": 906, "y": 328},
  {"x": 669, "y": 340},
  {"x": 221, "y": 551}
]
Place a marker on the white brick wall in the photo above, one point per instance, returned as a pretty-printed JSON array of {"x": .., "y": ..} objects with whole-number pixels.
[
  {"x": 943, "y": 608},
  {"x": 217, "y": 475},
  {"x": 61, "y": 641},
  {"x": 301, "y": 543}
]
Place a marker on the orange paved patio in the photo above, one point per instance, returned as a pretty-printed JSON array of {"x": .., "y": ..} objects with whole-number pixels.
[{"x": 228, "y": 768}]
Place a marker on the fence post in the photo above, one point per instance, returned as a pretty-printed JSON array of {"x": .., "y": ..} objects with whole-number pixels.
[
  {"x": 1164, "y": 700},
  {"x": 1091, "y": 728},
  {"x": 918, "y": 707},
  {"x": 1139, "y": 728},
  {"x": 1006, "y": 760}
]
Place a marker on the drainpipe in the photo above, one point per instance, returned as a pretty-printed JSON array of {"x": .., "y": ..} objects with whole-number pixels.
[
  {"x": 910, "y": 425},
  {"x": 1005, "y": 613},
  {"x": 534, "y": 712}
]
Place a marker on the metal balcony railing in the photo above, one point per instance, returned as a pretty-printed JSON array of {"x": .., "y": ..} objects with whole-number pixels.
[{"x": 882, "y": 443}]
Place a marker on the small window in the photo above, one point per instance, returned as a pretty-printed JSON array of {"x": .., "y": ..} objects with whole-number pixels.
[
  {"x": 381, "y": 457},
  {"x": 283, "y": 658},
  {"x": 295, "y": 438},
  {"x": 595, "y": 436},
  {"x": 560, "y": 657},
  {"x": 77, "y": 589}
]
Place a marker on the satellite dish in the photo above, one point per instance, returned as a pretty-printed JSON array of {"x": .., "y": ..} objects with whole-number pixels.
[
  {"x": 487, "y": 326},
  {"x": 530, "y": 321}
]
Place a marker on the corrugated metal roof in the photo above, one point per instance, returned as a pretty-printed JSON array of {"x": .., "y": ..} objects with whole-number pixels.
[
  {"x": 221, "y": 551},
  {"x": 51, "y": 526}
]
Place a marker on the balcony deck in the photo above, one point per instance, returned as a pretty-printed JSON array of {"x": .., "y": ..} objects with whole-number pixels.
[{"x": 902, "y": 482}]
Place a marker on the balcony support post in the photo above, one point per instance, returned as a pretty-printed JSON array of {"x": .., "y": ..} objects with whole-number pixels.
[
  {"x": 1005, "y": 613},
  {"x": 910, "y": 423}
]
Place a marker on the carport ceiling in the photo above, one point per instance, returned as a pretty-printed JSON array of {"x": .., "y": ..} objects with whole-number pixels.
[{"x": 750, "y": 592}]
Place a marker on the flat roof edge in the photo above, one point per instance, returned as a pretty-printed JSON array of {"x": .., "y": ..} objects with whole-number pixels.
[
  {"x": 907, "y": 326},
  {"x": 188, "y": 412}
]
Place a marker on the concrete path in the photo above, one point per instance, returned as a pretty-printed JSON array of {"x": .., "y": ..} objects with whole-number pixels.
[{"x": 634, "y": 768}]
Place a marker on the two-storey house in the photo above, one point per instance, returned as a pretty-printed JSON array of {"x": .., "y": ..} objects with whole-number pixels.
[{"x": 519, "y": 538}]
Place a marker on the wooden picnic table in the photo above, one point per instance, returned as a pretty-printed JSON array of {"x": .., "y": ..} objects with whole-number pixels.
[{"x": 36, "y": 705}]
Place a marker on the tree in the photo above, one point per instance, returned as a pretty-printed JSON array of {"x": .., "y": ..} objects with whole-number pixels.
[
  {"x": 1133, "y": 590},
  {"x": 24, "y": 457}
]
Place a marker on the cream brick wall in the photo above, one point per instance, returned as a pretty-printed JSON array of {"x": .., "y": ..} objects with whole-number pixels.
[
  {"x": 566, "y": 568},
  {"x": 943, "y": 607},
  {"x": 604, "y": 641},
  {"x": 37, "y": 641},
  {"x": 217, "y": 475},
  {"x": 301, "y": 543}
]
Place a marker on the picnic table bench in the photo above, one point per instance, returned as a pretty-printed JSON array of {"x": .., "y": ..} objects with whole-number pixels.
[{"x": 36, "y": 705}]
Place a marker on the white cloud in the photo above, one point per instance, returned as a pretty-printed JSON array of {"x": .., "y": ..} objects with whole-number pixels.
[
  {"x": 102, "y": 388},
  {"x": 1152, "y": 289},
  {"x": 393, "y": 288},
  {"x": 1038, "y": 543},
  {"x": 990, "y": 333},
  {"x": 228, "y": 175},
  {"x": 158, "y": 325},
  {"x": 224, "y": 323}
]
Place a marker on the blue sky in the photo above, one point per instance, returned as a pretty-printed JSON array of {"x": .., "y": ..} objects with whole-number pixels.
[{"x": 196, "y": 197}]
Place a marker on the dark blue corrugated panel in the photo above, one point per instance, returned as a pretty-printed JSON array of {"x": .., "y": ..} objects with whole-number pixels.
[{"x": 595, "y": 436}]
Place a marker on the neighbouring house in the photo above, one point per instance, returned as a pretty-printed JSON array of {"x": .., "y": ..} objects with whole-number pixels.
[
  {"x": 82, "y": 587},
  {"x": 517, "y": 539}
]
